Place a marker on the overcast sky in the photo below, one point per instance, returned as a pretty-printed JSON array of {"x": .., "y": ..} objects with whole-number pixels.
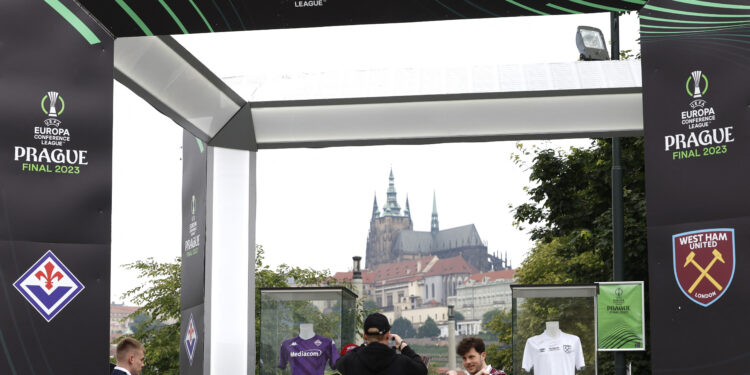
[{"x": 314, "y": 205}]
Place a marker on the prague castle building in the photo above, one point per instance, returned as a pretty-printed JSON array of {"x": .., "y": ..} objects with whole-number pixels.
[{"x": 392, "y": 238}]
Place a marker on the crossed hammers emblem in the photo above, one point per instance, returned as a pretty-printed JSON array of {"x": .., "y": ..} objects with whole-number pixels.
[{"x": 704, "y": 271}]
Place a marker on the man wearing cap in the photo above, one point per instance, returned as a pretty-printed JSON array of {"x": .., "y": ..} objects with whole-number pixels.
[{"x": 376, "y": 357}]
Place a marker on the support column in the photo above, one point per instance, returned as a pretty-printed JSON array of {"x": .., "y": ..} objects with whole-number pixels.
[
  {"x": 451, "y": 339},
  {"x": 230, "y": 262}
]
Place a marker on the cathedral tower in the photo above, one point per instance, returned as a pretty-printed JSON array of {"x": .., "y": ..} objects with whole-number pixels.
[{"x": 384, "y": 228}]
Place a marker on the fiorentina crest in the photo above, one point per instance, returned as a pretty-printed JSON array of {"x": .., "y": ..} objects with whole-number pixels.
[
  {"x": 48, "y": 286},
  {"x": 191, "y": 338},
  {"x": 703, "y": 263}
]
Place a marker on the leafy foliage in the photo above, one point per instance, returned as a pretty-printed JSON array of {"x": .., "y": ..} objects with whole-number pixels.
[
  {"x": 428, "y": 329},
  {"x": 569, "y": 216},
  {"x": 403, "y": 328},
  {"x": 458, "y": 316},
  {"x": 500, "y": 326},
  {"x": 487, "y": 317}
]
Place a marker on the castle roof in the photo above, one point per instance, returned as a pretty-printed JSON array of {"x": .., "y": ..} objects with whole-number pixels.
[
  {"x": 368, "y": 277},
  {"x": 415, "y": 242},
  {"x": 404, "y": 271},
  {"x": 492, "y": 276},
  {"x": 449, "y": 266}
]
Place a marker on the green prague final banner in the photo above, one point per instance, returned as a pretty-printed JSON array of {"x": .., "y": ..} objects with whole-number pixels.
[{"x": 620, "y": 315}]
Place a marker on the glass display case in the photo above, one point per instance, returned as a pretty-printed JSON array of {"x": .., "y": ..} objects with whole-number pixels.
[
  {"x": 302, "y": 329},
  {"x": 554, "y": 329}
]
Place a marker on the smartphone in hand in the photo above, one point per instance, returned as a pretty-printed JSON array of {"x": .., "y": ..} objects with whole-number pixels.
[{"x": 392, "y": 342}]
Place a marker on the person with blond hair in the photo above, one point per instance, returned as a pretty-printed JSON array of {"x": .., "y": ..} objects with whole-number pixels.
[{"x": 130, "y": 356}]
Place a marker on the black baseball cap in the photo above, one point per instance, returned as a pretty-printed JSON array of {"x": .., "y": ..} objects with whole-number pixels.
[{"x": 376, "y": 321}]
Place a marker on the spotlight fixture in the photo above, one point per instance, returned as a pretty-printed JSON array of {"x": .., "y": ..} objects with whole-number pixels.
[{"x": 591, "y": 44}]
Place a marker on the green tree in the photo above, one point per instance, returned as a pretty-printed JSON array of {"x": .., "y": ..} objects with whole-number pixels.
[
  {"x": 487, "y": 317},
  {"x": 368, "y": 307},
  {"x": 457, "y": 316},
  {"x": 159, "y": 299},
  {"x": 499, "y": 355},
  {"x": 569, "y": 216},
  {"x": 137, "y": 320},
  {"x": 403, "y": 328},
  {"x": 428, "y": 329}
]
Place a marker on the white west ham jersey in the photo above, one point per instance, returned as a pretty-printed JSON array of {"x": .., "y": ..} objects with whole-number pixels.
[{"x": 560, "y": 355}]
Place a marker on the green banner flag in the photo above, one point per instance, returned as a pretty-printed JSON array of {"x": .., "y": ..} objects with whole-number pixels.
[{"x": 620, "y": 316}]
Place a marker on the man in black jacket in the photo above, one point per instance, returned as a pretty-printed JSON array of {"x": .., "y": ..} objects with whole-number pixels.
[{"x": 376, "y": 357}]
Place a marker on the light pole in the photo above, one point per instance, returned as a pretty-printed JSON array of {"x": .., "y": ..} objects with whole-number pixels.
[
  {"x": 357, "y": 285},
  {"x": 451, "y": 339}
]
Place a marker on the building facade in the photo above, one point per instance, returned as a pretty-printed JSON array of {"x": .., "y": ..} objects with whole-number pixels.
[{"x": 483, "y": 292}]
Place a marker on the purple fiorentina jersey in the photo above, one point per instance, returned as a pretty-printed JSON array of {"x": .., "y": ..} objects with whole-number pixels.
[{"x": 308, "y": 357}]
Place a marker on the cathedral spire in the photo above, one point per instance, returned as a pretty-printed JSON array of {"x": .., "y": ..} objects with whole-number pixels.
[
  {"x": 434, "y": 226},
  {"x": 407, "y": 211},
  {"x": 391, "y": 207},
  {"x": 375, "y": 211}
]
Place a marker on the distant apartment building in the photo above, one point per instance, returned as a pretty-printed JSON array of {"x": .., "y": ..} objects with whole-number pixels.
[
  {"x": 483, "y": 292},
  {"x": 119, "y": 322}
]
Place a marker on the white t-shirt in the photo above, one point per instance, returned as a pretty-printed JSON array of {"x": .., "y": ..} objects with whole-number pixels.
[{"x": 560, "y": 355}]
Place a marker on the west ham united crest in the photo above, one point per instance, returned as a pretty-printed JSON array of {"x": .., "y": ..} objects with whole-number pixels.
[
  {"x": 48, "y": 286},
  {"x": 704, "y": 263},
  {"x": 191, "y": 338}
]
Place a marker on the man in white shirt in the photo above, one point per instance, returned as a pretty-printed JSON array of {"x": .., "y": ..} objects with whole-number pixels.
[
  {"x": 130, "y": 357},
  {"x": 471, "y": 350}
]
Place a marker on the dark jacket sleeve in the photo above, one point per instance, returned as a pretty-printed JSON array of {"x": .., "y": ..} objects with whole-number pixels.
[
  {"x": 415, "y": 363},
  {"x": 341, "y": 364}
]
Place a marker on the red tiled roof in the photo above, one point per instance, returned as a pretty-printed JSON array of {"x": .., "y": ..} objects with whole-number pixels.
[
  {"x": 406, "y": 268},
  {"x": 495, "y": 275},
  {"x": 450, "y": 266},
  {"x": 399, "y": 280},
  {"x": 368, "y": 277}
]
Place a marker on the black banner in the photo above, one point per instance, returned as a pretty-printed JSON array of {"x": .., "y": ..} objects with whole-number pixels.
[
  {"x": 194, "y": 175},
  {"x": 696, "y": 88},
  {"x": 192, "y": 341},
  {"x": 55, "y": 189},
  {"x": 137, "y": 18}
]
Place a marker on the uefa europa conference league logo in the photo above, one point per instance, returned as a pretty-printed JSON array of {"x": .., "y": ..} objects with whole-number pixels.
[
  {"x": 702, "y": 140},
  {"x": 192, "y": 243},
  {"x": 52, "y": 157}
]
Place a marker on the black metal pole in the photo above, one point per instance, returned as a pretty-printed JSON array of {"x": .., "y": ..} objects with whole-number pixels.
[
  {"x": 617, "y": 212},
  {"x": 618, "y": 228}
]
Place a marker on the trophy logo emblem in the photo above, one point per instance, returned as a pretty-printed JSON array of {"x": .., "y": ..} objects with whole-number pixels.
[
  {"x": 695, "y": 91},
  {"x": 52, "y": 102},
  {"x": 54, "y": 99}
]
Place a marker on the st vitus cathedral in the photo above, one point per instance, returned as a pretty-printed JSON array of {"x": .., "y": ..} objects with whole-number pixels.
[{"x": 392, "y": 238}]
